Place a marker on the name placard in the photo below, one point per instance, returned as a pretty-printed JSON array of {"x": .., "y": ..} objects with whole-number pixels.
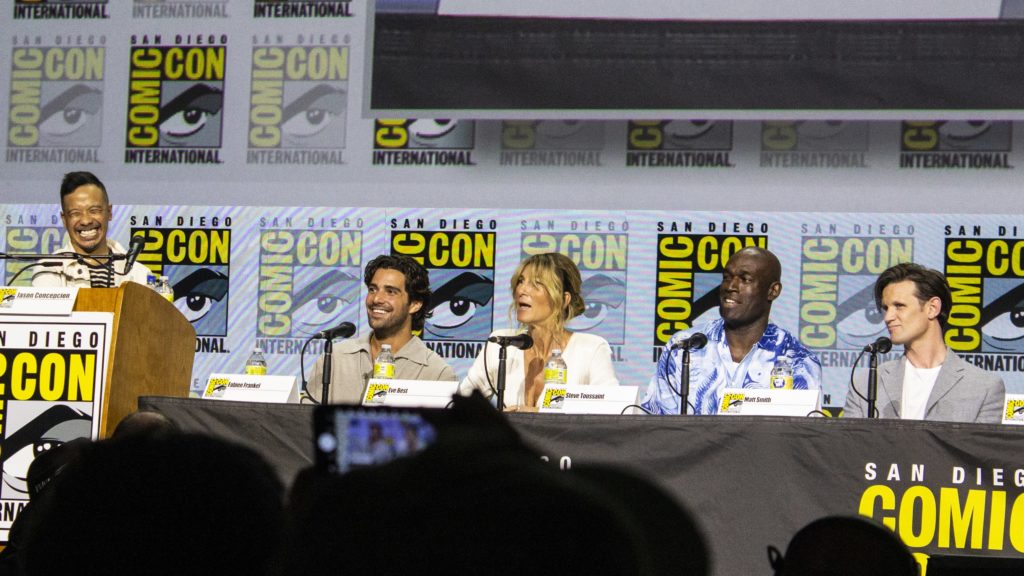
[
  {"x": 250, "y": 388},
  {"x": 769, "y": 402},
  {"x": 38, "y": 301},
  {"x": 588, "y": 399},
  {"x": 1013, "y": 410},
  {"x": 415, "y": 393}
]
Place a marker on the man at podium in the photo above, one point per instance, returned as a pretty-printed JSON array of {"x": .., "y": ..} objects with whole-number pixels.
[
  {"x": 398, "y": 293},
  {"x": 86, "y": 211}
]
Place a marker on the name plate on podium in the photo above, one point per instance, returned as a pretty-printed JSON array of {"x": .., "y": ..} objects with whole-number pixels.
[
  {"x": 769, "y": 402},
  {"x": 1013, "y": 410},
  {"x": 37, "y": 301},
  {"x": 588, "y": 399},
  {"x": 249, "y": 388},
  {"x": 414, "y": 393}
]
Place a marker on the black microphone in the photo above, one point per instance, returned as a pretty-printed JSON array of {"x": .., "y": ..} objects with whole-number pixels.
[
  {"x": 134, "y": 249},
  {"x": 343, "y": 330},
  {"x": 695, "y": 341},
  {"x": 521, "y": 341},
  {"x": 880, "y": 346}
]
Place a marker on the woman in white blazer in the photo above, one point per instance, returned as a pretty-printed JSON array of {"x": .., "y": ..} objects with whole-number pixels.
[{"x": 545, "y": 297}]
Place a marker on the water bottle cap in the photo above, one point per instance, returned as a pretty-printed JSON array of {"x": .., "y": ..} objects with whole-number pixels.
[{"x": 385, "y": 346}]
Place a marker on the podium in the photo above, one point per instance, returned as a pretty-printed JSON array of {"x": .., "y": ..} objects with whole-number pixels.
[{"x": 152, "y": 348}]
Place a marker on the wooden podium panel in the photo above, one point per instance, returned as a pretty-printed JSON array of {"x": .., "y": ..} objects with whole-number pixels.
[{"x": 152, "y": 348}]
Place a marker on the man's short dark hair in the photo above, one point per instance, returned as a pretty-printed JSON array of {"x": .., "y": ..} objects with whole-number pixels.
[
  {"x": 928, "y": 284},
  {"x": 417, "y": 281},
  {"x": 72, "y": 180}
]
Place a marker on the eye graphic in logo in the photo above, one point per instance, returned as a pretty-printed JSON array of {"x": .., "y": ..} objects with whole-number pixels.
[
  {"x": 568, "y": 134},
  {"x": 680, "y": 133},
  {"x": 558, "y": 129},
  {"x": 199, "y": 295},
  {"x": 605, "y": 314},
  {"x": 71, "y": 118},
  {"x": 1002, "y": 318},
  {"x": 460, "y": 308},
  {"x": 820, "y": 129},
  {"x": 440, "y": 133},
  {"x": 51, "y": 428},
  {"x": 858, "y": 319},
  {"x": 424, "y": 131},
  {"x": 323, "y": 300},
  {"x": 964, "y": 130},
  {"x": 696, "y": 135},
  {"x": 192, "y": 118},
  {"x": 315, "y": 118}
]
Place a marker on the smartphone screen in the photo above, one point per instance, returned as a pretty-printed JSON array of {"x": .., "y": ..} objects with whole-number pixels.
[{"x": 350, "y": 437}]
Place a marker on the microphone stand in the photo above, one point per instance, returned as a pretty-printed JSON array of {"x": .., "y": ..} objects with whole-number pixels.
[
  {"x": 328, "y": 368},
  {"x": 684, "y": 382},
  {"x": 502, "y": 352},
  {"x": 872, "y": 383}
]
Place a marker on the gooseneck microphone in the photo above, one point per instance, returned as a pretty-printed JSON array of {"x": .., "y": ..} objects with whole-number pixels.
[
  {"x": 521, "y": 341},
  {"x": 880, "y": 346},
  {"x": 695, "y": 341},
  {"x": 343, "y": 330},
  {"x": 134, "y": 249}
]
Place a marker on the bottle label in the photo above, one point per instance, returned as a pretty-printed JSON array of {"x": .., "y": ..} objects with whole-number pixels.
[
  {"x": 554, "y": 375},
  {"x": 782, "y": 382},
  {"x": 383, "y": 370},
  {"x": 256, "y": 370},
  {"x": 169, "y": 296}
]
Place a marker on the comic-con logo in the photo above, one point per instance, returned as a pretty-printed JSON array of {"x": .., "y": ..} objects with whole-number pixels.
[
  {"x": 297, "y": 104},
  {"x": 309, "y": 281},
  {"x": 175, "y": 100},
  {"x": 21, "y": 238},
  {"x": 56, "y": 102},
  {"x": 148, "y": 9},
  {"x": 48, "y": 381},
  {"x": 302, "y": 8},
  {"x": 980, "y": 144},
  {"x": 689, "y": 272},
  {"x": 551, "y": 143},
  {"x": 60, "y": 9},
  {"x": 196, "y": 262},
  {"x": 461, "y": 267},
  {"x": 837, "y": 281},
  {"x": 679, "y": 144},
  {"x": 814, "y": 144},
  {"x": 423, "y": 142},
  {"x": 601, "y": 259},
  {"x": 986, "y": 277}
]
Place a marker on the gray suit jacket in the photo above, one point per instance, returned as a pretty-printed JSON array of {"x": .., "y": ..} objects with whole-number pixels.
[{"x": 962, "y": 393}]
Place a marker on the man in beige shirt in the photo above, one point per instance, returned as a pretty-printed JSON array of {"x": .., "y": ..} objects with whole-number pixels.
[{"x": 398, "y": 293}]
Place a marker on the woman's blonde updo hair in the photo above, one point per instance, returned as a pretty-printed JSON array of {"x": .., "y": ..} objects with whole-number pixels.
[{"x": 558, "y": 275}]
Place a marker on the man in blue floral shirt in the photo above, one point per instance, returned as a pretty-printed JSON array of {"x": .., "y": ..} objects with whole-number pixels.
[{"x": 742, "y": 344}]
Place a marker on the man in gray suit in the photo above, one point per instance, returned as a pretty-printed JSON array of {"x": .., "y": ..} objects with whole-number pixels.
[{"x": 929, "y": 382}]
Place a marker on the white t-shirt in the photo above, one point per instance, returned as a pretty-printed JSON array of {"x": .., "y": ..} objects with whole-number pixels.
[{"x": 917, "y": 387}]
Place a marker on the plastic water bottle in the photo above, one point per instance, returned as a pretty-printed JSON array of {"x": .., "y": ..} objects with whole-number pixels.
[
  {"x": 555, "y": 371},
  {"x": 151, "y": 281},
  {"x": 163, "y": 287},
  {"x": 256, "y": 365},
  {"x": 384, "y": 365},
  {"x": 782, "y": 373}
]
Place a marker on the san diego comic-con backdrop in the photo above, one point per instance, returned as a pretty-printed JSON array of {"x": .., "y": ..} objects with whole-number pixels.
[{"x": 235, "y": 136}]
